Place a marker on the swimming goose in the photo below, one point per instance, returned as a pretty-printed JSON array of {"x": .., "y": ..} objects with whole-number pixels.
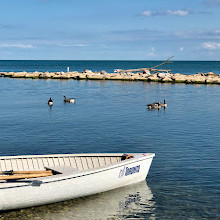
[
  {"x": 71, "y": 100},
  {"x": 155, "y": 105},
  {"x": 50, "y": 102},
  {"x": 163, "y": 104}
]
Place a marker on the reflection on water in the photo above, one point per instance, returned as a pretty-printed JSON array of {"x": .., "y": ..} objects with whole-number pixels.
[
  {"x": 158, "y": 110},
  {"x": 134, "y": 201}
]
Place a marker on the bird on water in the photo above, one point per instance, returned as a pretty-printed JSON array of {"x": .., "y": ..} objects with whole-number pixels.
[
  {"x": 157, "y": 105},
  {"x": 154, "y": 105},
  {"x": 71, "y": 100},
  {"x": 163, "y": 104},
  {"x": 50, "y": 102}
]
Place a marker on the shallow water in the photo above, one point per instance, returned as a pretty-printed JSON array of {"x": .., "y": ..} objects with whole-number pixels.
[
  {"x": 111, "y": 116},
  {"x": 134, "y": 201}
]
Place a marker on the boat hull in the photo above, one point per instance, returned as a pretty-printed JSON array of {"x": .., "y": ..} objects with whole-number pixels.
[{"x": 70, "y": 186}]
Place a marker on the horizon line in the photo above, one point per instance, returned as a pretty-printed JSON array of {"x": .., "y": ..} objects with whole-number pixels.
[{"x": 105, "y": 60}]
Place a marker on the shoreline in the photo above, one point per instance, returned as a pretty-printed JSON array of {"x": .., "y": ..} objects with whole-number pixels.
[{"x": 160, "y": 77}]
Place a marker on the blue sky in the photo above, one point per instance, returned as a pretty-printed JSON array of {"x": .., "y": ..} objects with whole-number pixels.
[{"x": 110, "y": 30}]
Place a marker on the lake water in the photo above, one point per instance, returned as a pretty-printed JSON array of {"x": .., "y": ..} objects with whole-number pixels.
[
  {"x": 184, "y": 67},
  {"x": 111, "y": 116}
]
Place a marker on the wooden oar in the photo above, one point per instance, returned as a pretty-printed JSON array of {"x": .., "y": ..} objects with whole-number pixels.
[
  {"x": 12, "y": 172},
  {"x": 24, "y": 176}
]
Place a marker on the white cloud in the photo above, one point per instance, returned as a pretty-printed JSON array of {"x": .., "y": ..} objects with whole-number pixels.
[
  {"x": 147, "y": 13},
  {"x": 72, "y": 45},
  {"x": 166, "y": 13},
  {"x": 181, "y": 48},
  {"x": 178, "y": 12},
  {"x": 152, "y": 52},
  {"x": 24, "y": 46},
  {"x": 211, "y": 45}
]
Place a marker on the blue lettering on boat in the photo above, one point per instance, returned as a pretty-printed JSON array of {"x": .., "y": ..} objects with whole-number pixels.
[{"x": 126, "y": 171}]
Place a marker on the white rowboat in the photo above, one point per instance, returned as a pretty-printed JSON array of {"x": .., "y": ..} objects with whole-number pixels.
[{"x": 69, "y": 176}]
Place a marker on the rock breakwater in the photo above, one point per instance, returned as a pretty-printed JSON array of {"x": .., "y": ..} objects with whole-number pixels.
[{"x": 198, "y": 78}]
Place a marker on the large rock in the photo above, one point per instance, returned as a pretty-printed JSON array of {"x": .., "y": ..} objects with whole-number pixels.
[
  {"x": 179, "y": 78},
  {"x": 86, "y": 71},
  {"x": 96, "y": 77},
  {"x": 210, "y": 74},
  {"x": 108, "y": 75},
  {"x": 73, "y": 74},
  {"x": 103, "y": 72},
  {"x": 9, "y": 74},
  {"x": 199, "y": 74},
  {"x": 167, "y": 79},
  {"x": 119, "y": 76},
  {"x": 200, "y": 79},
  {"x": 2, "y": 73},
  {"x": 217, "y": 80},
  {"x": 209, "y": 81},
  {"x": 34, "y": 75},
  {"x": 46, "y": 75},
  {"x": 163, "y": 75},
  {"x": 153, "y": 77},
  {"x": 19, "y": 75},
  {"x": 212, "y": 80},
  {"x": 56, "y": 76}
]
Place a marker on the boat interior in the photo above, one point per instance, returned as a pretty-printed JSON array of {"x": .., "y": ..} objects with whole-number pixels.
[{"x": 79, "y": 162}]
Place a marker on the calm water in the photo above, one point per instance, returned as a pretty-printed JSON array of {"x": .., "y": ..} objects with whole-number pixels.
[
  {"x": 184, "y": 67},
  {"x": 108, "y": 116}
]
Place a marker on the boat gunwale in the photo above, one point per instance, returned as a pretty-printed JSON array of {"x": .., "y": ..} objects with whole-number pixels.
[{"x": 62, "y": 155}]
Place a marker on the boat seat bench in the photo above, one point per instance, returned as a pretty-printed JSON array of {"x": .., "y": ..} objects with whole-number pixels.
[{"x": 63, "y": 169}]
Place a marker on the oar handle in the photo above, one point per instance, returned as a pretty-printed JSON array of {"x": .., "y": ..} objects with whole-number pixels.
[
  {"x": 9, "y": 172},
  {"x": 12, "y": 172}
]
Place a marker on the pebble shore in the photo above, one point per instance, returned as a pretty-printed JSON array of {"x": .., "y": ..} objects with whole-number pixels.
[{"x": 198, "y": 78}]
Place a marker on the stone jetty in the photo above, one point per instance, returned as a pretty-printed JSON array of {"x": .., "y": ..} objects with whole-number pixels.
[{"x": 145, "y": 75}]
